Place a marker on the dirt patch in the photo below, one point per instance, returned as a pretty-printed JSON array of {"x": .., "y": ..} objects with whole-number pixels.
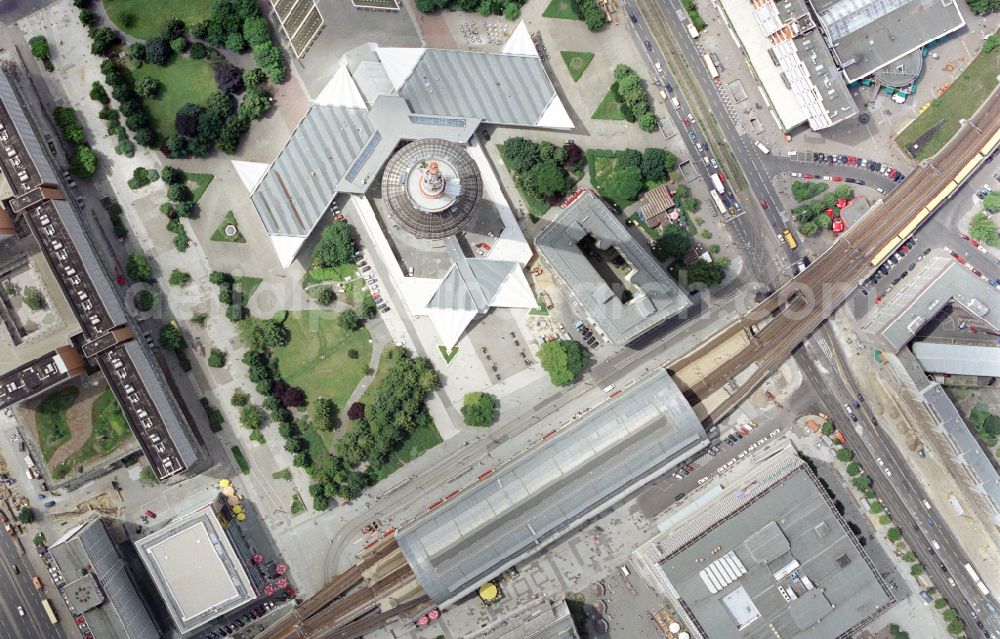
[{"x": 926, "y": 137}]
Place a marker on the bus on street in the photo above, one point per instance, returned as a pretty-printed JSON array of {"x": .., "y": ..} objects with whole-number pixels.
[
  {"x": 789, "y": 239},
  {"x": 48, "y": 610},
  {"x": 712, "y": 71},
  {"x": 717, "y": 201}
]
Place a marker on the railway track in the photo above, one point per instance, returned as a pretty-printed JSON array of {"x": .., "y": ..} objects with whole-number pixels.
[
  {"x": 792, "y": 312},
  {"x": 801, "y": 305}
]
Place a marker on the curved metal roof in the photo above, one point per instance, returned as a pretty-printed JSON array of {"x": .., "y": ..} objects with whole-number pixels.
[
  {"x": 524, "y": 505},
  {"x": 415, "y": 210}
]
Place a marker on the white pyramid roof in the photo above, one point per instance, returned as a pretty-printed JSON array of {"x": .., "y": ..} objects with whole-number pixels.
[
  {"x": 519, "y": 42},
  {"x": 515, "y": 292},
  {"x": 341, "y": 91},
  {"x": 399, "y": 62},
  {"x": 287, "y": 247},
  {"x": 555, "y": 116},
  {"x": 450, "y": 324},
  {"x": 251, "y": 173}
]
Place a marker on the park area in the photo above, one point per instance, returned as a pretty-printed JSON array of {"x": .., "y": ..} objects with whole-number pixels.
[
  {"x": 142, "y": 19},
  {"x": 422, "y": 438},
  {"x": 317, "y": 358},
  {"x": 940, "y": 121},
  {"x": 184, "y": 80},
  {"x": 75, "y": 427}
]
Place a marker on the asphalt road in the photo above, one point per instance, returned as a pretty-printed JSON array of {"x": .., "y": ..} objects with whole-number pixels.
[
  {"x": 767, "y": 259},
  {"x": 900, "y": 492},
  {"x": 17, "y": 590}
]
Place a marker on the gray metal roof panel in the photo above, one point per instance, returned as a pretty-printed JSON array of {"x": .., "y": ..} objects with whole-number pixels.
[
  {"x": 300, "y": 183},
  {"x": 454, "y": 293},
  {"x": 834, "y": 563},
  {"x": 100, "y": 280},
  {"x": 928, "y": 289},
  {"x": 26, "y": 132},
  {"x": 867, "y": 35},
  {"x": 124, "y": 613},
  {"x": 501, "y": 89},
  {"x": 523, "y": 505},
  {"x": 180, "y": 434},
  {"x": 958, "y": 359},
  {"x": 622, "y": 323}
]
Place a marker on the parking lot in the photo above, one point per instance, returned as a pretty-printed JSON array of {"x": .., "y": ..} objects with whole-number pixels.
[{"x": 745, "y": 437}]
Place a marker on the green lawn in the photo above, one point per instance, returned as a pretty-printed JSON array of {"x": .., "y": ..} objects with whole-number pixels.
[
  {"x": 608, "y": 109},
  {"x": 446, "y": 354},
  {"x": 247, "y": 286},
  {"x": 941, "y": 120},
  {"x": 109, "y": 429},
  {"x": 316, "y": 358},
  {"x": 50, "y": 419},
  {"x": 542, "y": 310},
  {"x": 576, "y": 61},
  {"x": 284, "y": 473},
  {"x": 220, "y": 233},
  {"x": 198, "y": 183},
  {"x": 184, "y": 80},
  {"x": 149, "y": 15},
  {"x": 563, "y": 9},
  {"x": 333, "y": 274},
  {"x": 297, "y": 505}
]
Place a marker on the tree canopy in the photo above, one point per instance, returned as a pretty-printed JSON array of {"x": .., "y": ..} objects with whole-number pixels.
[
  {"x": 520, "y": 154},
  {"x": 335, "y": 247},
  {"x": 707, "y": 273},
  {"x": 673, "y": 242},
  {"x": 137, "y": 267},
  {"x": 171, "y": 338},
  {"x": 39, "y": 47},
  {"x": 563, "y": 360},
  {"x": 984, "y": 229},
  {"x": 992, "y": 201},
  {"x": 478, "y": 409},
  {"x": 548, "y": 179}
]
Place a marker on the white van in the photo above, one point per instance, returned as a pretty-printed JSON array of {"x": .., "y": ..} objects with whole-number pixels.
[
  {"x": 763, "y": 149},
  {"x": 674, "y": 101},
  {"x": 936, "y": 545}
]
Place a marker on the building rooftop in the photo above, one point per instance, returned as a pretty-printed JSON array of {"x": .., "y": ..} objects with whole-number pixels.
[
  {"x": 936, "y": 282},
  {"x": 793, "y": 65},
  {"x": 777, "y": 561},
  {"x": 973, "y": 467},
  {"x": 195, "y": 569},
  {"x": 597, "y": 282},
  {"x": 98, "y": 585},
  {"x": 409, "y": 94},
  {"x": 96, "y": 303},
  {"x": 868, "y": 35},
  {"x": 511, "y": 90},
  {"x": 527, "y": 503},
  {"x": 958, "y": 359}
]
